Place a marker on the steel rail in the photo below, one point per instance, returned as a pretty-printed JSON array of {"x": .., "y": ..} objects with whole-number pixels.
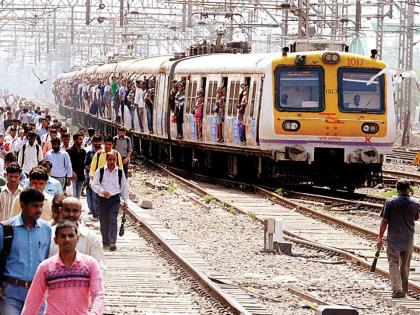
[
  {"x": 202, "y": 279},
  {"x": 411, "y": 176},
  {"x": 339, "y": 201}
]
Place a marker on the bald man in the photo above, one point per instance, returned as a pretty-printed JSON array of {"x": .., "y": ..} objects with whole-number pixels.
[{"x": 89, "y": 243}]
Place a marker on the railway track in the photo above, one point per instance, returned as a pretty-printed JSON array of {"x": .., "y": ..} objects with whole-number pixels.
[
  {"x": 334, "y": 203},
  {"x": 400, "y": 156},
  {"x": 151, "y": 268},
  {"x": 308, "y": 227}
]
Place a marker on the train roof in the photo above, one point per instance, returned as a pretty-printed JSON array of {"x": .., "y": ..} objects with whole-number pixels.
[
  {"x": 106, "y": 68},
  {"x": 214, "y": 63},
  {"x": 226, "y": 63}
]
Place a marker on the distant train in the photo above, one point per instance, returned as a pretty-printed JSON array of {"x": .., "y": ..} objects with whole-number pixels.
[{"x": 312, "y": 116}]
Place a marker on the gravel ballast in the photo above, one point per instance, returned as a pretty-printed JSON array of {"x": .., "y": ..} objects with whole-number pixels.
[{"x": 232, "y": 244}]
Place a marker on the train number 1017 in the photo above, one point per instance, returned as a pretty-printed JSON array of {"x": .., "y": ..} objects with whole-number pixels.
[
  {"x": 331, "y": 91},
  {"x": 355, "y": 62}
]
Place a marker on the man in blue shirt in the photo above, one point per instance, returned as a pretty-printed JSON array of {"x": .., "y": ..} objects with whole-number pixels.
[
  {"x": 30, "y": 246},
  {"x": 61, "y": 163}
]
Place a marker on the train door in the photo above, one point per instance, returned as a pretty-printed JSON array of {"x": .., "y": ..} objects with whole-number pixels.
[
  {"x": 209, "y": 114},
  {"x": 251, "y": 111},
  {"x": 231, "y": 130},
  {"x": 189, "y": 127},
  {"x": 161, "y": 108},
  {"x": 155, "y": 97}
]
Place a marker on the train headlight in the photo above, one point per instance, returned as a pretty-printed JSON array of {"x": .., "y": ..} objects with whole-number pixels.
[
  {"x": 331, "y": 57},
  {"x": 300, "y": 60},
  {"x": 291, "y": 125},
  {"x": 370, "y": 128}
]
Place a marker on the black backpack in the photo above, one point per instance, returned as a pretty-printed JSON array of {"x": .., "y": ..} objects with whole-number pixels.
[
  {"x": 101, "y": 175},
  {"x": 7, "y": 246}
]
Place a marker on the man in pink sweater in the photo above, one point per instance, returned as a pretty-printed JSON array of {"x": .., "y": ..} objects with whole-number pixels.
[{"x": 69, "y": 277}]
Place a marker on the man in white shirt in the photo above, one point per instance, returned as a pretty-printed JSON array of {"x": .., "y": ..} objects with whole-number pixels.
[
  {"x": 26, "y": 117},
  {"x": 89, "y": 243},
  {"x": 109, "y": 183},
  {"x": 10, "y": 139},
  {"x": 139, "y": 102},
  {"x": 29, "y": 154}
]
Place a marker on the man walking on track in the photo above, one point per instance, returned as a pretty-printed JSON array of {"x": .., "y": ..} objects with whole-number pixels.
[
  {"x": 109, "y": 183},
  {"x": 398, "y": 214},
  {"x": 122, "y": 144}
]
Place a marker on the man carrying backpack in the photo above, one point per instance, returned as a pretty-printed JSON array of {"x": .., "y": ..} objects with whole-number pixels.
[
  {"x": 29, "y": 154},
  {"x": 110, "y": 183}
]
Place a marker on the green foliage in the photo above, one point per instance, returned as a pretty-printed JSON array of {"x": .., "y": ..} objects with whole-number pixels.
[
  {"x": 387, "y": 194},
  {"x": 208, "y": 198},
  {"x": 279, "y": 191},
  {"x": 171, "y": 187}
]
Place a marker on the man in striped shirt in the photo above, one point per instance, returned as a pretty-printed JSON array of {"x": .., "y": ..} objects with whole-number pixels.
[
  {"x": 70, "y": 278},
  {"x": 10, "y": 191}
]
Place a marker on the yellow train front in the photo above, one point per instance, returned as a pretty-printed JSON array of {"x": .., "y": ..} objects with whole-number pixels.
[{"x": 328, "y": 118}]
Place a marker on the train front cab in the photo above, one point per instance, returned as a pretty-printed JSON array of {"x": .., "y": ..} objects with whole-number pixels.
[{"x": 332, "y": 122}]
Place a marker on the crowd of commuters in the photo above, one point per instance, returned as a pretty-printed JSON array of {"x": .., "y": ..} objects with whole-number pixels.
[
  {"x": 109, "y": 99},
  {"x": 50, "y": 260}
]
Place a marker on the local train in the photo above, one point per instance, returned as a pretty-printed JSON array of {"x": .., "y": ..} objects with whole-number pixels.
[{"x": 322, "y": 117}]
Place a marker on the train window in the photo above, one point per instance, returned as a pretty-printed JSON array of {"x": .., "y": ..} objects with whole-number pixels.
[
  {"x": 299, "y": 88},
  {"x": 356, "y": 94},
  {"x": 211, "y": 96},
  {"x": 191, "y": 93},
  {"x": 253, "y": 94},
  {"x": 233, "y": 97}
]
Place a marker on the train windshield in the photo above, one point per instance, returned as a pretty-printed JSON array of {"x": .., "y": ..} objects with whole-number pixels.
[
  {"x": 299, "y": 89},
  {"x": 357, "y": 94}
]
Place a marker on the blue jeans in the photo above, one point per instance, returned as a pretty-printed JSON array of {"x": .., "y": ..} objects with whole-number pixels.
[
  {"x": 14, "y": 298},
  {"x": 242, "y": 134},
  {"x": 140, "y": 117},
  {"x": 149, "y": 112},
  {"x": 179, "y": 130},
  {"x": 92, "y": 201},
  {"x": 77, "y": 188},
  {"x": 108, "y": 218}
]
